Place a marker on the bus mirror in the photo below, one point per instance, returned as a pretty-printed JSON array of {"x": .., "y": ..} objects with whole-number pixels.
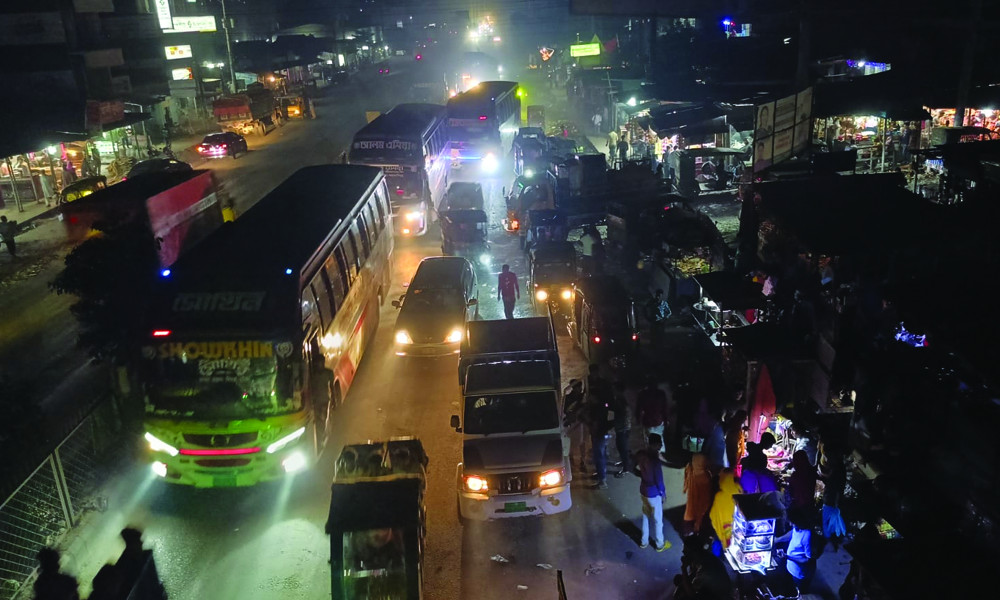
[
  {"x": 456, "y": 424},
  {"x": 395, "y": 303},
  {"x": 473, "y": 302}
]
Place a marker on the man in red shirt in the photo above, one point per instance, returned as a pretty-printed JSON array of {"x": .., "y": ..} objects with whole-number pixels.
[{"x": 508, "y": 290}]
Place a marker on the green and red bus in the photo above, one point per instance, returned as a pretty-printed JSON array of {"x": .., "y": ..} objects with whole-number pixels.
[{"x": 256, "y": 333}]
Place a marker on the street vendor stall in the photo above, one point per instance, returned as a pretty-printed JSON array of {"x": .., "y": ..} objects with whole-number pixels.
[
  {"x": 725, "y": 298},
  {"x": 754, "y": 522}
]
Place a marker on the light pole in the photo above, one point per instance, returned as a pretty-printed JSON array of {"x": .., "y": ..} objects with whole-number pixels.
[{"x": 229, "y": 49}]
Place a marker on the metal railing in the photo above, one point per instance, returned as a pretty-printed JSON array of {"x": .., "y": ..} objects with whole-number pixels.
[{"x": 54, "y": 496}]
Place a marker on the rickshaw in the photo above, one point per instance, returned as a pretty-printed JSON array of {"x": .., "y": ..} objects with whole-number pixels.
[
  {"x": 464, "y": 233},
  {"x": 82, "y": 187},
  {"x": 377, "y": 521},
  {"x": 603, "y": 322},
  {"x": 552, "y": 273}
]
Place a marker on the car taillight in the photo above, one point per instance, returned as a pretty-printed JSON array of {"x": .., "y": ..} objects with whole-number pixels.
[
  {"x": 635, "y": 337},
  {"x": 223, "y": 146},
  {"x": 597, "y": 339},
  {"x": 399, "y": 192}
]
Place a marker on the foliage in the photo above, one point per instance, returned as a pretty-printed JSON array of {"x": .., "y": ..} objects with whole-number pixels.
[{"x": 112, "y": 275}]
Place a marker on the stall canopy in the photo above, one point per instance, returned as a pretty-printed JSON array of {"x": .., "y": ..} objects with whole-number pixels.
[
  {"x": 689, "y": 120},
  {"x": 731, "y": 290},
  {"x": 888, "y": 95},
  {"x": 854, "y": 215}
]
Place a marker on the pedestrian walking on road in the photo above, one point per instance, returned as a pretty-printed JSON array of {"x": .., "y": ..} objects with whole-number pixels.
[
  {"x": 508, "y": 290},
  {"x": 51, "y": 584},
  {"x": 698, "y": 487},
  {"x": 651, "y": 409},
  {"x": 8, "y": 229},
  {"x": 574, "y": 420},
  {"x": 612, "y": 142},
  {"x": 652, "y": 491},
  {"x": 599, "y": 422},
  {"x": 622, "y": 151},
  {"x": 597, "y": 119},
  {"x": 623, "y": 428},
  {"x": 657, "y": 313}
]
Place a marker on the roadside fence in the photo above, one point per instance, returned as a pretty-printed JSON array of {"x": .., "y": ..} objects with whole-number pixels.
[{"x": 51, "y": 500}]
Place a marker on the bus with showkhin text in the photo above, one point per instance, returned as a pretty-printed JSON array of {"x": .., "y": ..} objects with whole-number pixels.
[
  {"x": 410, "y": 144},
  {"x": 255, "y": 335},
  {"x": 482, "y": 123}
]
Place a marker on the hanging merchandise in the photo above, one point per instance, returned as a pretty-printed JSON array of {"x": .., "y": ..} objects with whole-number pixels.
[{"x": 764, "y": 403}]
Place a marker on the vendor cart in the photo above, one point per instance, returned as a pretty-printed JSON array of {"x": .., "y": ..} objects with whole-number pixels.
[
  {"x": 724, "y": 301},
  {"x": 752, "y": 545},
  {"x": 377, "y": 521}
]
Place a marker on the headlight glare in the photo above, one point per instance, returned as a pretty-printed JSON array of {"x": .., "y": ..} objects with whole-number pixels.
[
  {"x": 551, "y": 478},
  {"x": 403, "y": 338},
  {"x": 567, "y": 294},
  {"x": 413, "y": 215},
  {"x": 288, "y": 439},
  {"x": 475, "y": 483},
  {"x": 158, "y": 445},
  {"x": 490, "y": 163},
  {"x": 542, "y": 295},
  {"x": 454, "y": 336}
]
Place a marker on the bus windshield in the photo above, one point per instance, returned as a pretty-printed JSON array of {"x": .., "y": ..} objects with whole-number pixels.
[{"x": 219, "y": 379}]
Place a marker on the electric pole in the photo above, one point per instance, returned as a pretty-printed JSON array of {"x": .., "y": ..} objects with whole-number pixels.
[{"x": 229, "y": 49}]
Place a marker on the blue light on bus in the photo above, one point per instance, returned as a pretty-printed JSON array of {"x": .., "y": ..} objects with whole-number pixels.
[
  {"x": 288, "y": 271},
  {"x": 165, "y": 273}
]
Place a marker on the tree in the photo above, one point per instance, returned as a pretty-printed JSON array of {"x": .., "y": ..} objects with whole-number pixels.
[{"x": 112, "y": 275}]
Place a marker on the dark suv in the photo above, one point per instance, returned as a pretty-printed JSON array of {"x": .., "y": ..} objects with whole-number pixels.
[{"x": 219, "y": 145}]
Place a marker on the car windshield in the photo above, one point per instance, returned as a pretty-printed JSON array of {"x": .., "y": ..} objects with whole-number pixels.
[
  {"x": 217, "y": 138},
  {"x": 511, "y": 413},
  {"x": 434, "y": 299},
  {"x": 219, "y": 379}
]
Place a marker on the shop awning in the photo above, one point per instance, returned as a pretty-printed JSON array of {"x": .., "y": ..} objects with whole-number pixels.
[
  {"x": 730, "y": 290},
  {"x": 669, "y": 121},
  {"x": 129, "y": 119},
  {"x": 885, "y": 95}
]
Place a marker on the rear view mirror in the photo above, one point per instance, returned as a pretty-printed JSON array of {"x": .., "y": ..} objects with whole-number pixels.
[
  {"x": 473, "y": 302},
  {"x": 455, "y": 423},
  {"x": 395, "y": 303}
]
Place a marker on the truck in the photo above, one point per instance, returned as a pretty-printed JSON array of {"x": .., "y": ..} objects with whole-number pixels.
[
  {"x": 246, "y": 113},
  {"x": 515, "y": 455},
  {"x": 180, "y": 208}
]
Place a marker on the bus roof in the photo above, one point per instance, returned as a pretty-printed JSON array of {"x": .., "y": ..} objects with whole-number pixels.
[
  {"x": 403, "y": 120},
  {"x": 486, "y": 89},
  {"x": 284, "y": 230}
]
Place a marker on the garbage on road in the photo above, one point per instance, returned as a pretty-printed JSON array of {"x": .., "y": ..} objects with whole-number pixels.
[
  {"x": 499, "y": 558},
  {"x": 545, "y": 566},
  {"x": 594, "y": 570}
]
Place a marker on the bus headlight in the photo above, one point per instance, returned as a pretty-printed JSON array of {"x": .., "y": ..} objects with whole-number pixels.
[
  {"x": 158, "y": 445},
  {"x": 403, "y": 338},
  {"x": 567, "y": 294},
  {"x": 414, "y": 215},
  {"x": 490, "y": 163},
  {"x": 296, "y": 461},
  {"x": 288, "y": 439},
  {"x": 454, "y": 337},
  {"x": 529, "y": 173},
  {"x": 542, "y": 295},
  {"x": 160, "y": 469},
  {"x": 551, "y": 478},
  {"x": 475, "y": 483}
]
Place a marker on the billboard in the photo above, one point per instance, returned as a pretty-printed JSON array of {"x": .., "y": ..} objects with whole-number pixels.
[
  {"x": 163, "y": 13},
  {"x": 175, "y": 52},
  {"x": 183, "y": 215},
  {"x": 782, "y": 129},
  {"x": 591, "y": 49},
  {"x": 204, "y": 24}
]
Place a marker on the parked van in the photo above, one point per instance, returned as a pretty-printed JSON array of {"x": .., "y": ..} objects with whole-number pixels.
[{"x": 442, "y": 296}]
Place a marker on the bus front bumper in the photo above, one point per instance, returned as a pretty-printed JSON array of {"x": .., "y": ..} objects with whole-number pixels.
[{"x": 239, "y": 467}]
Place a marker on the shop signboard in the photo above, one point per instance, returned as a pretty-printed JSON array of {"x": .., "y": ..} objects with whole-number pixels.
[
  {"x": 163, "y": 14},
  {"x": 183, "y": 73},
  {"x": 591, "y": 49},
  {"x": 803, "y": 120},
  {"x": 176, "y": 52},
  {"x": 204, "y": 24}
]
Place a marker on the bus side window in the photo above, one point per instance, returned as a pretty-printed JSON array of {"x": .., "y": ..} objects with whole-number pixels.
[
  {"x": 308, "y": 304},
  {"x": 353, "y": 261},
  {"x": 373, "y": 223},
  {"x": 345, "y": 273},
  {"x": 367, "y": 229},
  {"x": 358, "y": 230},
  {"x": 337, "y": 282},
  {"x": 322, "y": 293},
  {"x": 380, "y": 198}
]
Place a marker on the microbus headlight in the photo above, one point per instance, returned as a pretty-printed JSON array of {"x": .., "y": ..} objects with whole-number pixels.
[
  {"x": 475, "y": 483},
  {"x": 454, "y": 336},
  {"x": 158, "y": 445},
  {"x": 414, "y": 215},
  {"x": 403, "y": 338},
  {"x": 567, "y": 294},
  {"x": 551, "y": 478},
  {"x": 288, "y": 439},
  {"x": 542, "y": 295},
  {"x": 490, "y": 162}
]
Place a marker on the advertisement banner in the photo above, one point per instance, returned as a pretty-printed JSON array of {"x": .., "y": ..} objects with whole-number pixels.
[
  {"x": 762, "y": 154},
  {"x": 782, "y": 146},
  {"x": 184, "y": 215},
  {"x": 782, "y": 129},
  {"x": 591, "y": 49},
  {"x": 181, "y": 74},
  {"x": 175, "y": 52},
  {"x": 784, "y": 114},
  {"x": 765, "y": 121},
  {"x": 204, "y": 24}
]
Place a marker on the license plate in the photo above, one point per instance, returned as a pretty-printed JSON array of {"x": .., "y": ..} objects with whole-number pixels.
[
  {"x": 513, "y": 507},
  {"x": 224, "y": 481}
]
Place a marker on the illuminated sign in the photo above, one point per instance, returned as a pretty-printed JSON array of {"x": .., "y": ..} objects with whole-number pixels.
[
  {"x": 175, "y": 52},
  {"x": 163, "y": 13},
  {"x": 546, "y": 53},
  {"x": 203, "y": 24},
  {"x": 196, "y": 350},
  {"x": 179, "y": 74},
  {"x": 591, "y": 49}
]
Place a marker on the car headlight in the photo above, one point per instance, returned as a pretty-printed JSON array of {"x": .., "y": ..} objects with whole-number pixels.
[
  {"x": 529, "y": 173},
  {"x": 567, "y": 294},
  {"x": 475, "y": 483},
  {"x": 490, "y": 162},
  {"x": 454, "y": 336},
  {"x": 403, "y": 338},
  {"x": 542, "y": 295},
  {"x": 551, "y": 478},
  {"x": 414, "y": 215},
  {"x": 158, "y": 445},
  {"x": 288, "y": 439}
]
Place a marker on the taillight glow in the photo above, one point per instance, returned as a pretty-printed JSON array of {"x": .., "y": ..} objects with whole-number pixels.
[
  {"x": 400, "y": 192},
  {"x": 635, "y": 337},
  {"x": 219, "y": 451},
  {"x": 482, "y": 117},
  {"x": 597, "y": 339},
  {"x": 161, "y": 332}
]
